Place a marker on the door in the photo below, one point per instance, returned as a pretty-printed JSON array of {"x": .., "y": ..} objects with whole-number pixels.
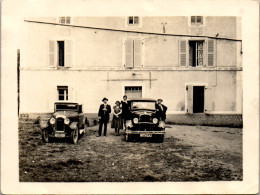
[{"x": 198, "y": 99}]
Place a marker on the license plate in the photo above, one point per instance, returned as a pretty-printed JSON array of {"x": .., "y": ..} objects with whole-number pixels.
[
  {"x": 146, "y": 135},
  {"x": 59, "y": 135}
]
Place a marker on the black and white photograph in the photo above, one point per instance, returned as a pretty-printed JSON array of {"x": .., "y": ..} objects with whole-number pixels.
[{"x": 131, "y": 99}]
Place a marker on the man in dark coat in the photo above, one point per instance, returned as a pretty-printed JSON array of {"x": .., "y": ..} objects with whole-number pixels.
[
  {"x": 103, "y": 115},
  {"x": 161, "y": 109}
]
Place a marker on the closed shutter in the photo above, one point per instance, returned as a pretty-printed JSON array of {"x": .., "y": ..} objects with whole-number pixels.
[
  {"x": 71, "y": 94},
  {"x": 137, "y": 53},
  {"x": 189, "y": 96},
  {"x": 208, "y": 100},
  {"x": 182, "y": 53},
  {"x": 211, "y": 53},
  {"x": 129, "y": 61},
  {"x": 68, "y": 53},
  {"x": 51, "y": 52}
]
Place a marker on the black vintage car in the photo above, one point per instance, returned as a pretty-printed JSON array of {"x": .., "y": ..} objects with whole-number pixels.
[
  {"x": 67, "y": 120},
  {"x": 144, "y": 120}
]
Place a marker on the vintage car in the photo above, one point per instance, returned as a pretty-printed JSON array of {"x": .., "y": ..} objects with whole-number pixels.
[
  {"x": 67, "y": 120},
  {"x": 144, "y": 120}
]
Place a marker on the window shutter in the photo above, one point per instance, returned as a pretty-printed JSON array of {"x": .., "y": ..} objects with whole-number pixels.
[
  {"x": 51, "y": 53},
  {"x": 129, "y": 61},
  {"x": 182, "y": 53},
  {"x": 137, "y": 53},
  {"x": 189, "y": 92},
  {"x": 208, "y": 99},
  {"x": 71, "y": 93},
  {"x": 68, "y": 53},
  {"x": 211, "y": 53}
]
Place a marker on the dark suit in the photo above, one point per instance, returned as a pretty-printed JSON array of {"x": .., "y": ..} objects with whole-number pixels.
[
  {"x": 161, "y": 110},
  {"x": 104, "y": 118}
]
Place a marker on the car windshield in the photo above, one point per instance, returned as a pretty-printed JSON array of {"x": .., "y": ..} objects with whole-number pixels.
[
  {"x": 66, "y": 107},
  {"x": 141, "y": 105}
]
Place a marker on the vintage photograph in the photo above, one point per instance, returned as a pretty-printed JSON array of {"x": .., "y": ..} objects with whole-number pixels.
[{"x": 131, "y": 99}]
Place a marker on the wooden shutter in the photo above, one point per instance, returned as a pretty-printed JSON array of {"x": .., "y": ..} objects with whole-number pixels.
[
  {"x": 137, "y": 53},
  {"x": 182, "y": 53},
  {"x": 211, "y": 53},
  {"x": 51, "y": 52},
  {"x": 189, "y": 96},
  {"x": 68, "y": 53},
  {"x": 71, "y": 93},
  {"x": 129, "y": 56},
  {"x": 208, "y": 99}
]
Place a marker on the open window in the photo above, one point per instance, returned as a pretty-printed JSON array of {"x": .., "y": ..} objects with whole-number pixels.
[
  {"x": 60, "y": 53},
  {"x": 63, "y": 92},
  {"x": 196, "y": 53},
  {"x": 133, "y": 20}
]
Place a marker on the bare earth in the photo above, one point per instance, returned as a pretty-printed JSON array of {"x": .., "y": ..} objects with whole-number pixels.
[{"x": 188, "y": 153}]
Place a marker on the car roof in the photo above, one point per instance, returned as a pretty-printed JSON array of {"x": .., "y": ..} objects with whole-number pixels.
[
  {"x": 68, "y": 102},
  {"x": 143, "y": 99}
]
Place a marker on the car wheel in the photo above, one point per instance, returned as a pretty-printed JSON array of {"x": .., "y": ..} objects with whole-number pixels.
[
  {"x": 45, "y": 135},
  {"x": 75, "y": 135}
]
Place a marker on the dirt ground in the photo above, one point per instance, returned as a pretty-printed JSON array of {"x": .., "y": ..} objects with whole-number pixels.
[{"x": 188, "y": 153}]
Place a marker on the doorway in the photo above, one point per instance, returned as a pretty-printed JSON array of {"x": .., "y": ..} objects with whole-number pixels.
[{"x": 198, "y": 99}]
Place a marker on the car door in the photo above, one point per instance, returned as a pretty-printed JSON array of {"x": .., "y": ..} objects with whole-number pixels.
[{"x": 81, "y": 117}]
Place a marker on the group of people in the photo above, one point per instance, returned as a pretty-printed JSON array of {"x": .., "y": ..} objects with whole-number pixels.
[{"x": 120, "y": 114}]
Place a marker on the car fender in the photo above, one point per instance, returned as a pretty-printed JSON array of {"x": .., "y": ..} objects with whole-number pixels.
[
  {"x": 73, "y": 125},
  {"x": 44, "y": 124}
]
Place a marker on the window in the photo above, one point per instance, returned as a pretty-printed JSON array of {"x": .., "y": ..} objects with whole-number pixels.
[
  {"x": 133, "y": 91},
  {"x": 62, "y": 92},
  {"x": 196, "y": 20},
  {"x": 60, "y": 53},
  {"x": 65, "y": 20},
  {"x": 196, "y": 53},
  {"x": 133, "y": 52},
  {"x": 133, "y": 20}
]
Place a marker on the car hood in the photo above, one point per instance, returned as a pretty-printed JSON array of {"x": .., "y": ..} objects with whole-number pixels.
[
  {"x": 143, "y": 112},
  {"x": 65, "y": 114}
]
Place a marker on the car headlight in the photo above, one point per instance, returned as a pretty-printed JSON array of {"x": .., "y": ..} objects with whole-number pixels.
[
  {"x": 66, "y": 121},
  {"x": 155, "y": 120},
  {"x": 52, "y": 120},
  {"x": 129, "y": 123},
  {"x": 135, "y": 120}
]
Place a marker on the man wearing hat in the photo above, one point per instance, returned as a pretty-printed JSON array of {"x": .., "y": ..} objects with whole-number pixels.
[
  {"x": 103, "y": 115},
  {"x": 161, "y": 109}
]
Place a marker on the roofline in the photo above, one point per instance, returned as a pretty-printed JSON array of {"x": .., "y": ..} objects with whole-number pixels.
[{"x": 131, "y": 31}]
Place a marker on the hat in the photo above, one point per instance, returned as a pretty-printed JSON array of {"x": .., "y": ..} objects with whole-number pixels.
[
  {"x": 104, "y": 99},
  {"x": 117, "y": 102},
  {"x": 159, "y": 99}
]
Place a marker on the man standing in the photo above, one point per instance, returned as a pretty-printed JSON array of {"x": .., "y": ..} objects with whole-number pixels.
[
  {"x": 161, "y": 109},
  {"x": 103, "y": 115}
]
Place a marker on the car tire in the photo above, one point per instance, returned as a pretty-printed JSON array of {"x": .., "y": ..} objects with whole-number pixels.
[
  {"x": 75, "y": 135},
  {"x": 45, "y": 136}
]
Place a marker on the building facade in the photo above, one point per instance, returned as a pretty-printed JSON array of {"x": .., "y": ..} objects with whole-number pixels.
[{"x": 193, "y": 63}]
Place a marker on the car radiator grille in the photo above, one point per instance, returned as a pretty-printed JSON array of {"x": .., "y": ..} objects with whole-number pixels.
[
  {"x": 145, "y": 118},
  {"x": 60, "y": 124}
]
